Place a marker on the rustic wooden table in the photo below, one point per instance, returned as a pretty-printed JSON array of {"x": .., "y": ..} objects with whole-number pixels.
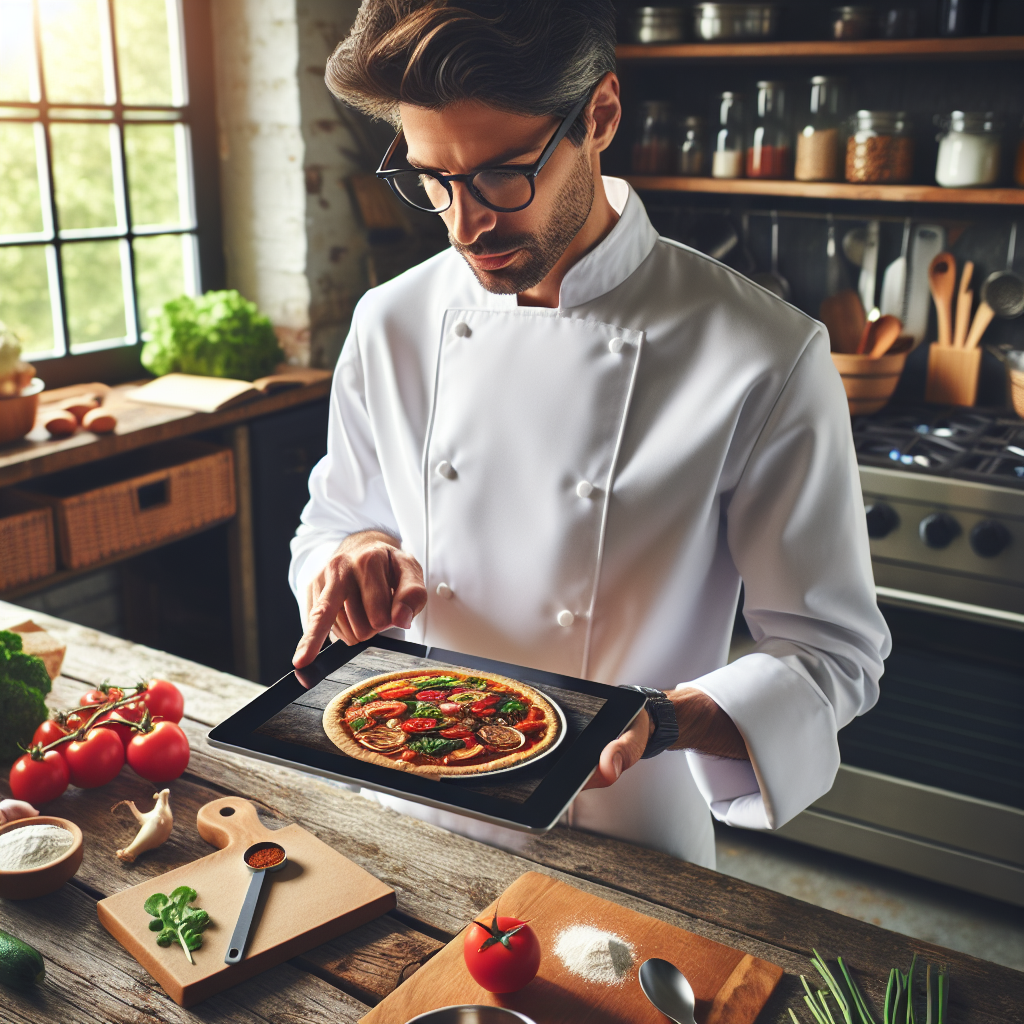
[{"x": 442, "y": 881}]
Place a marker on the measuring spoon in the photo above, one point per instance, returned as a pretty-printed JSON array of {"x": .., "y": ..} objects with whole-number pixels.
[
  {"x": 942, "y": 281},
  {"x": 1004, "y": 290},
  {"x": 240, "y": 936},
  {"x": 667, "y": 988}
]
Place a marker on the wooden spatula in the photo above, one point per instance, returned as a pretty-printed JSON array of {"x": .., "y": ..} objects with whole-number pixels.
[
  {"x": 964, "y": 302},
  {"x": 885, "y": 333},
  {"x": 981, "y": 321},
  {"x": 942, "y": 281}
]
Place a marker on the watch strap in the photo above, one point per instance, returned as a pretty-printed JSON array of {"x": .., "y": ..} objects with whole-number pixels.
[{"x": 666, "y": 725}]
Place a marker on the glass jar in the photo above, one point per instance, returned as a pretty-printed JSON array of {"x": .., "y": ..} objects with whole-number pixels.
[
  {"x": 727, "y": 158},
  {"x": 852, "y": 22},
  {"x": 652, "y": 150},
  {"x": 769, "y": 152},
  {"x": 879, "y": 149},
  {"x": 817, "y": 143},
  {"x": 969, "y": 150},
  {"x": 690, "y": 154}
]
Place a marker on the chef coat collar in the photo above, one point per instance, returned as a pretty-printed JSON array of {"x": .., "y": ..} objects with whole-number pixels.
[{"x": 608, "y": 264}]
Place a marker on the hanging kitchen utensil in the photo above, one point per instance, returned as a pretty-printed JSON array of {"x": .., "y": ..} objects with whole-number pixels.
[
  {"x": 835, "y": 273},
  {"x": 894, "y": 280},
  {"x": 981, "y": 321},
  {"x": 942, "y": 280},
  {"x": 745, "y": 262},
  {"x": 927, "y": 241},
  {"x": 1004, "y": 290},
  {"x": 840, "y": 311},
  {"x": 773, "y": 280},
  {"x": 854, "y": 242},
  {"x": 869, "y": 271},
  {"x": 964, "y": 305}
]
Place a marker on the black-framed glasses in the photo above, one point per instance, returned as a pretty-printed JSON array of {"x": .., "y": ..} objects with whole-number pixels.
[{"x": 505, "y": 189}]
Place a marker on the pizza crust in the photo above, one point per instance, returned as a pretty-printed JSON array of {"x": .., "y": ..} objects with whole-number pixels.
[{"x": 334, "y": 714}]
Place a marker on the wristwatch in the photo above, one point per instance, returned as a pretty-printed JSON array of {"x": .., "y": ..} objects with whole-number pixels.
[{"x": 663, "y": 714}]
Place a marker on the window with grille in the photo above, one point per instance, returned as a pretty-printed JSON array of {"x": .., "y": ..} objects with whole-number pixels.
[{"x": 98, "y": 205}]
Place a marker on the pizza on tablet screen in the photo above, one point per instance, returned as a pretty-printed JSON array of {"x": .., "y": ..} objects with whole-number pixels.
[{"x": 444, "y": 722}]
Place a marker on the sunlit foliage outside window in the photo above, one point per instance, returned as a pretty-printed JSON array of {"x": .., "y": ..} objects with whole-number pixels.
[{"x": 97, "y": 223}]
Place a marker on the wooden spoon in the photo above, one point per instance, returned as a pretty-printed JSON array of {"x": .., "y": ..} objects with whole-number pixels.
[
  {"x": 981, "y": 321},
  {"x": 885, "y": 333},
  {"x": 843, "y": 315},
  {"x": 942, "y": 281},
  {"x": 964, "y": 304}
]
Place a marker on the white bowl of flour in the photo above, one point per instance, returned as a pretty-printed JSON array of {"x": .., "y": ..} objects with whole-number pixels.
[{"x": 36, "y": 856}]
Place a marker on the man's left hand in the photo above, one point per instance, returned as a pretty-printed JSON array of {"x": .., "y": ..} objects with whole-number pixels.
[{"x": 623, "y": 752}]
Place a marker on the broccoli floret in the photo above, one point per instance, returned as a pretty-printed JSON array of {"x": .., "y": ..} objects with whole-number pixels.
[{"x": 23, "y": 684}]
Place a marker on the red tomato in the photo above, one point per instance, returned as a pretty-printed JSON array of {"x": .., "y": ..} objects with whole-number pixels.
[
  {"x": 133, "y": 712},
  {"x": 96, "y": 760},
  {"x": 485, "y": 704},
  {"x": 161, "y": 754},
  {"x": 498, "y": 968},
  {"x": 99, "y": 697},
  {"x": 429, "y": 695},
  {"x": 164, "y": 700},
  {"x": 39, "y": 781},
  {"x": 456, "y": 732},
  {"x": 408, "y": 755},
  {"x": 48, "y": 732},
  {"x": 397, "y": 692},
  {"x": 419, "y": 724}
]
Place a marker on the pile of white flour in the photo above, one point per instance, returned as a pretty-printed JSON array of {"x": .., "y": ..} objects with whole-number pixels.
[{"x": 594, "y": 955}]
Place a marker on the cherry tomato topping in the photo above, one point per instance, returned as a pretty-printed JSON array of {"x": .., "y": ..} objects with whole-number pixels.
[
  {"x": 428, "y": 695},
  {"x": 408, "y": 756},
  {"x": 419, "y": 724},
  {"x": 486, "y": 702}
]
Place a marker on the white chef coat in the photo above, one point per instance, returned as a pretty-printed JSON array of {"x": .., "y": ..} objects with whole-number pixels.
[{"x": 586, "y": 487}]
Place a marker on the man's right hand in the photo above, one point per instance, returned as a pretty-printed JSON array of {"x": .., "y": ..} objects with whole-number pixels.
[{"x": 370, "y": 584}]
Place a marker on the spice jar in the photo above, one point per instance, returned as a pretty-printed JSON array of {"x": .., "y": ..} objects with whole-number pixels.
[
  {"x": 652, "y": 150},
  {"x": 969, "y": 150},
  {"x": 879, "y": 149},
  {"x": 727, "y": 158},
  {"x": 768, "y": 155},
  {"x": 852, "y": 22},
  {"x": 817, "y": 143},
  {"x": 690, "y": 156}
]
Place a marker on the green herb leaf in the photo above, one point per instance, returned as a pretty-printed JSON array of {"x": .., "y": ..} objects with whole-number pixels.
[
  {"x": 434, "y": 746},
  {"x": 176, "y": 920}
]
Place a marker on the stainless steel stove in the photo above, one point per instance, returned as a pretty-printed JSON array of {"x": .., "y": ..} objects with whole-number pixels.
[{"x": 932, "y": 780}]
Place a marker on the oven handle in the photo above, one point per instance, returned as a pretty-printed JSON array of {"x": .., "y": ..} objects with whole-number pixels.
[{"x": 958, "y": 609}]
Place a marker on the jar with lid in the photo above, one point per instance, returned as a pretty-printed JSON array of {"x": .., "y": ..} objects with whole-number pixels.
[
  {"x": 727, "y": 158},
  {"x": 817, "y": 143},
  {"x": 652, "y": 150},
  {"x": 969, "y": 150},
  {"x": 852, "y": 22},
  {"x": 768, "y": 155},
  {"x": 690, "y": 152},
  {"x": 880, "y": 149}
]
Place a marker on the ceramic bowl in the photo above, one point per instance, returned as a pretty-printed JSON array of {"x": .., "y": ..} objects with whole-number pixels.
[
  {"x": 471, "y": 1015},
  {"x": 18, "y": 413},
  {"x": 41, "y": 881}
]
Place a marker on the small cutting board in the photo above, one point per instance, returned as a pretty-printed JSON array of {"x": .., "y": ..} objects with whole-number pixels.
[
  {"x": 731, "y": 986},
  {"x": 317, "y": 896}
]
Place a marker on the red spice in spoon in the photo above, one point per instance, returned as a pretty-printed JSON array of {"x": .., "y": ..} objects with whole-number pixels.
[{"x": 266, "y": 858}]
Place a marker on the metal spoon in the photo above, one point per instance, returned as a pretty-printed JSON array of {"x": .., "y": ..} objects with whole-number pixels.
[
  {"x": 773, "y": 280},
  {"x": 1004, "y": 290},
  {"x": 667, "y": 988},
  {"x": 240, "y": 936}
]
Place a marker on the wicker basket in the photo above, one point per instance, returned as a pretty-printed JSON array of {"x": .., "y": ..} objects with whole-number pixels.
[
  {"x": 27, "y": 551},
  {"x": 139, "y": 500}
]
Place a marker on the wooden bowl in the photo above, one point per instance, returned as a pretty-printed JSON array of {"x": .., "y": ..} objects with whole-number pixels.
[
  {"x": 41, "y": 881},
  {"x": 18, "y": 413},
  {"x": 869, "y": 383}
]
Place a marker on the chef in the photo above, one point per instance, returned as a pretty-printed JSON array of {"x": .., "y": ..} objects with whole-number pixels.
[{"x": 565, "y": 442}]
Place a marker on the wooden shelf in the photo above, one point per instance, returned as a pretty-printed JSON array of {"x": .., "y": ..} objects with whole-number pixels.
[
  {"x": 975, "y": 48},
  {"x": 831, "y": 190}
]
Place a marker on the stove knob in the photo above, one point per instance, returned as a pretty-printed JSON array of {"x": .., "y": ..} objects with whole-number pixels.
[
  {"x": 989, "y": 538},
  {"x": 882, "y": 519},
  {"x": 939, "y": 530}
]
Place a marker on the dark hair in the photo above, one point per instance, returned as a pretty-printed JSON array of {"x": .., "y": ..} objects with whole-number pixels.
[{"x": 532, "y": 57}]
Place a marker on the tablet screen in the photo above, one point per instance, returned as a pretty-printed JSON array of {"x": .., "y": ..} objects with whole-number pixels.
[{"x": 501, "y": 742}]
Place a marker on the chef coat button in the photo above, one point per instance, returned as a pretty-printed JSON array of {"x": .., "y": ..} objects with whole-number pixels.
[
  {"x": 566, "y": 618},
  {"x": 462, "y": 329},
  {"x": 443, "y": 590},
  {"x": 615, "y": 346},
  {"x": 584, "y": 488},
  {"x": 446, "y": 469}
]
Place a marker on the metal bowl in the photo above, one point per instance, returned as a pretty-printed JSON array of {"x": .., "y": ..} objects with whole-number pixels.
[
  {"x": 714, "y": 23},
  {"x": 471, "y": 1015},
  {"x": 652, "y": 25}
]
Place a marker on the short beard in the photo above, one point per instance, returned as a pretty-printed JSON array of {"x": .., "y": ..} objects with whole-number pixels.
[{"x": 538, "y": 253}]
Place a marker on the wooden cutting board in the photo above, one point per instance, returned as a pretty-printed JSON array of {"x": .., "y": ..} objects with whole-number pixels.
[
  {"x": 317, "y": 896},
  {"x": 731, "y": 986}
]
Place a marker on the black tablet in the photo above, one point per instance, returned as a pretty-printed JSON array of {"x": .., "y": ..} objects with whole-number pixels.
[{"x": 399, "y": 717}]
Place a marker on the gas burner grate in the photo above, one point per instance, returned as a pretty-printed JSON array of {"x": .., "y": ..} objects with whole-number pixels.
[{"x": 960, "y": 443}]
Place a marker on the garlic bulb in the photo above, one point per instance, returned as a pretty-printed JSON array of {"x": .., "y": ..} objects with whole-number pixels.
[{"x": 156, "y": 825}]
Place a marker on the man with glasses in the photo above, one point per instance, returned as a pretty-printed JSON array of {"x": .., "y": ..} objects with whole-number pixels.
[{"x": 565, "y": 442}]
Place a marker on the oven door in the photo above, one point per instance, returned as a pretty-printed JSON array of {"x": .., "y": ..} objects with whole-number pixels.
[{"x": 932, "y": 778}]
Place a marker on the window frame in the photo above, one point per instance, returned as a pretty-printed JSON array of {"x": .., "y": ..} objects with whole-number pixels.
[{"x": 120, "y": 362}]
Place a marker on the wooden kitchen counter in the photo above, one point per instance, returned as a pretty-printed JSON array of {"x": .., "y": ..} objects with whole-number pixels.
[{"x": 442, "y": 881}]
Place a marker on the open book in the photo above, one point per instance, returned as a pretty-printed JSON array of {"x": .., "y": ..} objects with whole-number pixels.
[{"x": 210, "y": 394}]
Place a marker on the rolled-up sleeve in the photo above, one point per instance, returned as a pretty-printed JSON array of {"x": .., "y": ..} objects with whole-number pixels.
[
  {"x": 797, "y": 534},
  {"x": 346, "y": 488}
]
